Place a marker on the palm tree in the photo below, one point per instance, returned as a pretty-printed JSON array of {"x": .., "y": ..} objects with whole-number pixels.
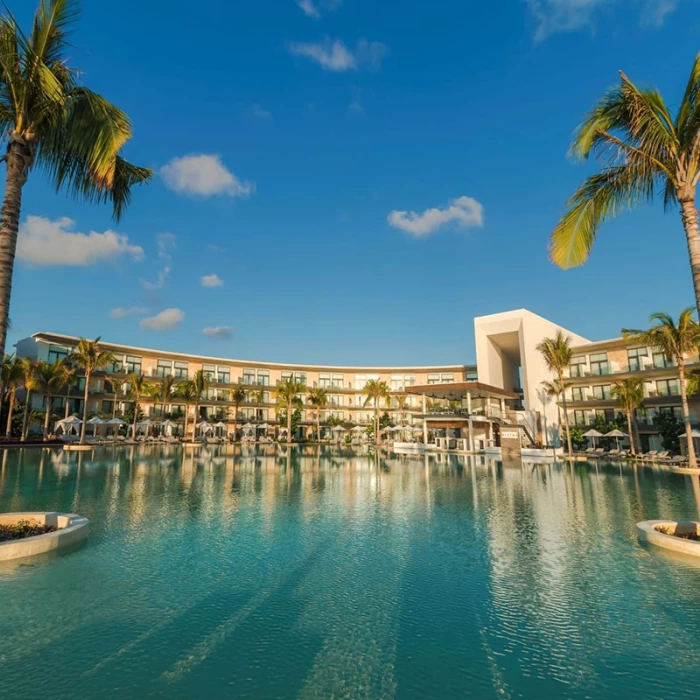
[
  {"x": 90, "y": 357},
  {"x": 555, "y": 390},
  {"x": 630, "y": 394},
  {"x": 12, "y": 377},
  {"x": 186, "y": 392},
  {"x": 287, "y": 395},
  {"x": 138, "y": 387},
  {"x": 674, "y": 340},
  {"x": 69, "y": 377},
  {"x": 29, "y": 380},
  {"x": 557, "y": 356},
  {"x": 644, "y": 150},
  {"x": 318, "y": 398},
  {"x": 52, "y": 122},
  {"x": 375, "y": 390},
  {"x": 48, "y": 379},
  {"x": 200, "y": 382},
  {"x": 238, "y": 396},
  {"x": 164, "y": 391},
  {"x": 401, "y": 404}
]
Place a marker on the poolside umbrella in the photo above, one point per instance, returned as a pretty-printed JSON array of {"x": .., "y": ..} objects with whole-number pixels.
[
  {"x": 593, "y": 433},
  {"x": 264, "y": 426},
  {"x": 248, "y": 427},
  {"x": 221, "y": 426},
  {"x": 96, "y": 420},
  {"x": 338, "y": 429},
  {"x": 358, "y": 429},
  {"x": 116, "y": 422},
  {"x": 167, "y": 426},
  {"x": 68, "y": 423},
  {"x": 617, "y": 434}
]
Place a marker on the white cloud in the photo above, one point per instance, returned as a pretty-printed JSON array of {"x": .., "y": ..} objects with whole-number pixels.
[
  {"x": 312, "y": 8},
  {"x": 212, "y": 281},
  {"x": 203, "y": 175},
  {"x": 333, "y": 55},
  {"x": 309, "y": 9},
  {"x": 218, "y": 332},
  {"x": 557, "y": 16},
  {"x": 259, "y": 112},
  {"x": 464, "y": 211},
  {"x": 43, "y": 242},
  {"x": 123, "y": 312},
  {"x": 165, "y": 242},
  {"x": 163, "y": 321}
]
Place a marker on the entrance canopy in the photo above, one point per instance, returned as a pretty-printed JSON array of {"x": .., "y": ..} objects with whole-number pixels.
[{"x": 457, "y": 391}]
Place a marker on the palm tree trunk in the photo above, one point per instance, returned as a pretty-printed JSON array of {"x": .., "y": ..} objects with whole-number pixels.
[
  {"x": 689, "y": 215},
  {"x": 692, "y": 460},
  {"x": 27, "y": 401},
  {"x": 67, "y": 406},
  {"x": 136, "y": 415},
  {"x": 318, "y": 424},
  {"x": 631, "y": 432},
  {"x": 47, "y": 415},
  {"x": 8, "y": 431},
  {"x": 566, "y": 415},
  {"x": 196, "y": 419},
  {"x": 289, "y": 424},
  {"x": 187, "y": 420},
  {"x": 83, "y": 427},
  {"x": 19, "y": 158}
]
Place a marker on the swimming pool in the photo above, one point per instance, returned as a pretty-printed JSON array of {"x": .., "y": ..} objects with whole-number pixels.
[{"x": 237, "y": 573}]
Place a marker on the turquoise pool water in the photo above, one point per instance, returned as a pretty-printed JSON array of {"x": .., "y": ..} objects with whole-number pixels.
[{"x": 264, "y": 575}]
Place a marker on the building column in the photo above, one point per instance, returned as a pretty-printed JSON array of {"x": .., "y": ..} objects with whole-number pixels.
[
  {"x": 425, "y": 422},
  {"x": 469, "y": 402},
  {"x": 503, "y": 409},
  {"x": 471, "y": 435}
]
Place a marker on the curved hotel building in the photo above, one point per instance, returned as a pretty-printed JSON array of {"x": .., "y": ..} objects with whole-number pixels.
[{"x": 488, "y": 404}]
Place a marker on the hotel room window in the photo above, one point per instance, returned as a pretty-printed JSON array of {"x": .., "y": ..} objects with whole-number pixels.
[
  {"x": 599, "y": 364},
  {"x": 337, "y": 381},
  {"x": 635, "y": 357},
  {"x": 602, "y": 392},
  {"x": 56, "y": 353},
  {"x": 164, "y": 368},
  {"x": 180, "y": 371},
  {"x": 133, "y": 364},
  {"x": 660, "y": 361},
  {"x": 223, "y": 375},
  {"x": 577, "y": 367},
  {"x": 668, "y": 387},
  {"x": 578, "y": 393},
  {"x": 249, "y": 376}
]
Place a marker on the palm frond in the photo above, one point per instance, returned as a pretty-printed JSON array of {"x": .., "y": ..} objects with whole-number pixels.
[{"x": 51, "y": 24}]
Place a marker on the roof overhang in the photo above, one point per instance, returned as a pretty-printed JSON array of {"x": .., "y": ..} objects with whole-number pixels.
[{"x": 456, "y": 391}]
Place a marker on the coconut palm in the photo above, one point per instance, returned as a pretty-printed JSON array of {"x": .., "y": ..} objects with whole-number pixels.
[
  {"x": 48, "y": 379},
  {"x": 644, "y": 150},
  {"x": 238, "y": 396},
  {"x": 29, "y": 381},
  {"x": 674, "y": 340},
  {"x": 557, "y": 356},
  {"x": 402, "y": 404},
  {"x": 164, "y": 390},
  {"x": 200, "y": 382},
  {"x": 69, "y": 376},
  {"x": 138, "y": 387},
  {"x": 90, "y": 357},
  {"x": 375, "y": 390},
  {"x": 50, "y": 121},
  {"x": 12, "y": 378},
  {"x": 555, "y": 390},
  {"x": 287, "y": 395},
  {"x": 630, "y": 395},
  {"x": 186, "y": 392},
  {"x": 318, "y": 398}
]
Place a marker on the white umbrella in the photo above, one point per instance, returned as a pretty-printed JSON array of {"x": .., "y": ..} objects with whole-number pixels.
[
  {"x": 116, "y": 421},
  {"x": 338, "y": 429},
  {"x": 168, "y": 424},
  {"x": 694, "y": 433},
  {"x": 358, "y": 429},
  {"x": 264, "y": 426},
  {"x": 617, "y": 434},
  {"x": 593, "y": 433},
  {"x": 220, "y": 424},
  {"x": 67, "y": 423},
  {"x": 147, "y": 423},
  {"x": 248, "y": 426},
  {"x": 96, "y": 421}
]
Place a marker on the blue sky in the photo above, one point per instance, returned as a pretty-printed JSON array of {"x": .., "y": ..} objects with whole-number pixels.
[{"x": 289, "y": 141}]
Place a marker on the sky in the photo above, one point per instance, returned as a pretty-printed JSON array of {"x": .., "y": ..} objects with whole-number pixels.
[{"x": 351, "y": 181}]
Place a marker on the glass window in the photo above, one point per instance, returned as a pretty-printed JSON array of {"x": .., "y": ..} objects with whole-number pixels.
[
  {"x": 133, "y": 364},
  {"x": 635, "y": 358},
  {"x": 578, "y": 393},
  {"x": 641, "y": 415},
  {"x": 668, "y": 387},
  {"x": 249, "y": 376},
  {"x": 57, "y": 353},
  {"x": 599, "y": 363},
  {"x": 180, "y": 370},
  {"x": 675, "y": 411},
  {"x": 337, "y": 381},
  {"x": 579, "y": 418},
  {"x": 223, "y": 375},
  {"x": 264, "y": 377},
  {"x": 164, "y": 369},
  {"x": 578, "y": 366},
  {"x": 433, "y": 379},
  {"x": 602, "y": 392},
  {"x": 660, "y": 361},
  {"x": 324, "y": 381},
  {"x": 472, "y": 376}
]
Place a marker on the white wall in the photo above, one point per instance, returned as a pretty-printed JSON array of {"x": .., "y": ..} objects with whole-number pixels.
[{"x": 512, "y": 333}]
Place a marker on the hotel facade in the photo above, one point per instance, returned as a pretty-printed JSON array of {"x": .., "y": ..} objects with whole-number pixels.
[{"x": 472, "y": 402}]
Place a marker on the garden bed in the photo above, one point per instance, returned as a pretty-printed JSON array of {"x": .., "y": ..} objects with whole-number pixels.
[{"x": 22, "y": 529}]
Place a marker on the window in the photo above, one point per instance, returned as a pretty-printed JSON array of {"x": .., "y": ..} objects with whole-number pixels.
[
  {"x": 249, "y": 376},
  {"x": 433, "y": 379},
  {"x": 180, "y": 370},
  {"x": 210, "y": 372},
  {"x": 602, "y": 392},
  {"x": 472, "y": 376},
  {"x": 578, "y": 393},
  {"x": 299, "y": 377},
  {"x": 578, "y": 367},
  {"x": 660, "y": 361},
  {"x": 107, "y": 406},
  {"x": 607, "y": 414},
  {"x": 362, "y": 379},
  {"x": 635, "y": 358},
  {"x": 675, "y": 411},
  {"x": 264, "y": 377},
  {"x": 580, "y": 418},
  {"x": 599, "y": 364},
  {"x": 57, "y": 353},
  {"x": 164, "y": 369},
  {"x": 668, "y": 387},
  {"x": 641, "y": 415},
  {"x": 133, "y": 364}
]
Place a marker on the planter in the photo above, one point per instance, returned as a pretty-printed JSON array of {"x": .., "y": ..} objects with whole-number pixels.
[
  {"x": 70, "y": 528},
  {"x": 650, "y": 531}
]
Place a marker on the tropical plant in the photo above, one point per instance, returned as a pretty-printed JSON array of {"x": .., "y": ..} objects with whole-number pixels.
[
  {"x": 669, "y": 428},
  {"x": 644, "y": 149},
  {"x": 237, "y": 396},
  {"x": 318, "y": 398},
  {"x": 29, "y": 381},
  {"x": 69, "y": 376},
  {"x": 164, "y": 390},
  {"x": 51, "y": 121},
  {"x": 90, "y": 357},
  {"x": 48, "y": 379},
  {"x": 12, "y": 378},
  {"x": 287, "y": 396},
  {"x": 402, "y": 404},
  {"x": 186, "y": 392},
  {"x": 674, "y": 340},
  {"x": 630, "y": 395},
  {"x": 138, "y": 387},
  {"x": 376, "y": 390},
  {"x": 200, "y": 382},
  {"x": 557, "y": 353}
]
